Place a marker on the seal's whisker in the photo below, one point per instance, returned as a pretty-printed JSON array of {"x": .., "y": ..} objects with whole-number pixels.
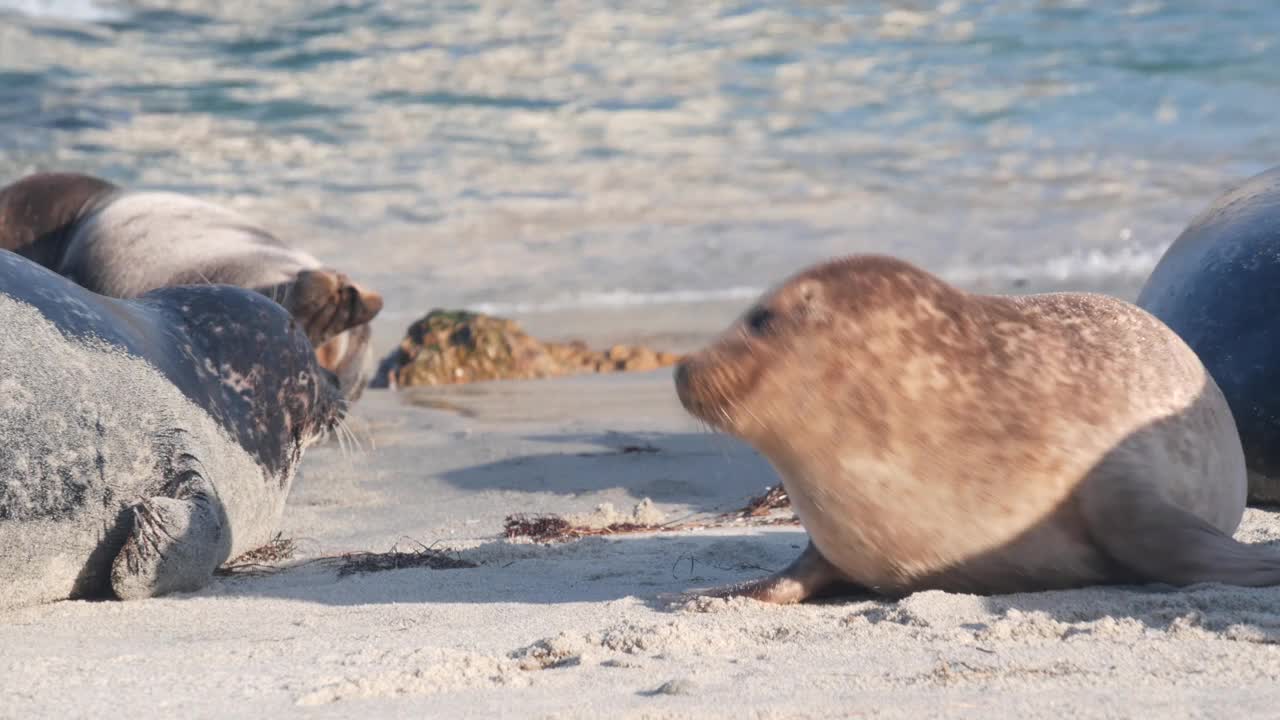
[
  {"x": 345, "y": 429},
  {"x": 748, "y": 411},
  {"x": 353, "y": 448},
  {"x": 352, "y": 440},
  {"x": 342, "y": 434},
  {"x": 351, "y": 435},
  {"x": 371, "y": 440},
  {"x": 342, "y": 444},
  {"x": 341, "y": 437},
  {"x": 367, "y": 441}
]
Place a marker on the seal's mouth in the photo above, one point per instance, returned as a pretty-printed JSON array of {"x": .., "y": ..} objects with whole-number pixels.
[
  {"x": 337, "y": 413},
  {"x": 711, "y": 386},
  {"x": 689, "y": 390}
]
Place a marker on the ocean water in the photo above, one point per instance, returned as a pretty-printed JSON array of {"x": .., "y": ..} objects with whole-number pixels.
[{"x": 528, "y": 155}]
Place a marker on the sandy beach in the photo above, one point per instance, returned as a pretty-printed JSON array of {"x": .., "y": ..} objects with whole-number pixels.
[
  {"x": 635, "y": 173},
  {"x": 574, "y": 629}
]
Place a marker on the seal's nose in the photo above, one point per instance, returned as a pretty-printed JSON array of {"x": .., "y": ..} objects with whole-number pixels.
[
  {"x": 681, "y": 376},
  {"x": 372, "y": 302}
]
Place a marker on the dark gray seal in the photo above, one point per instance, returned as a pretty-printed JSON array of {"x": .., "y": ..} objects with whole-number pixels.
[
  {"x": 146, "y": 441},
  {"x": 1213, "y": 288},
  {"x": 931, "y": 438},
  {"x": 125, "y": 243}
]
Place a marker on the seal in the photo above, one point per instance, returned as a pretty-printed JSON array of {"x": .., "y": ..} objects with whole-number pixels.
[
  {"x": 1213, "y": 287},
  {"x": 931, "y": 438},
  {"x": 125, "y": 243},
  {"x": 145, "y": 440}
]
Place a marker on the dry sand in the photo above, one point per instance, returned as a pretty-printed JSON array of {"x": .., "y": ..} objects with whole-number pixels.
[{"x": 572, "y": 629}]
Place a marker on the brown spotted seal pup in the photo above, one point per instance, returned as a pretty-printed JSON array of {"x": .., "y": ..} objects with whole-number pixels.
[
  {"x": 145, "y": 441},
  {"x": 125, "y": 243},
  {"x": 931, "y": 438}
]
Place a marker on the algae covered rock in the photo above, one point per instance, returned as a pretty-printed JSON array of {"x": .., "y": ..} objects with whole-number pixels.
[{"x": 455, "y": 346}]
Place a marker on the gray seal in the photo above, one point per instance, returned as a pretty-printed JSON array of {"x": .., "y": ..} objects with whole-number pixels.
[
  {"x": 931, "y": 438},
  {"x": 146, "y": 441},
  {"x": 1213, "y": 287},
  {"x": 125, "y": 243}
]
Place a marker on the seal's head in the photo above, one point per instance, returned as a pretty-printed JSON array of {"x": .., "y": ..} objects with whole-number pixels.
[
  {"x": 253, "y": 369},
  {"x": 37, "y": 211},
  {"x": 335, "y": 313},
  {"x": 825, "y": 344},
  {"x": 326, "y": 303}
]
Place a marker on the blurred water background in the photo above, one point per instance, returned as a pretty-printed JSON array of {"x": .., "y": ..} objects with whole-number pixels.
[{"x": 579, "y": 156}]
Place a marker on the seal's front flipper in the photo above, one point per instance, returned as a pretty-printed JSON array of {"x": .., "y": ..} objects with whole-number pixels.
[
  {"x": 346, "y": 356},
  {"x": 1161, "y": 542},
  {"x": 808, "y": 576},
  {"x": 174, "y": 546}
]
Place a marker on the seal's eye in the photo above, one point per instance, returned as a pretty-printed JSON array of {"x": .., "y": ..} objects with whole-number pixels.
[{"x": 760, "y": 321}]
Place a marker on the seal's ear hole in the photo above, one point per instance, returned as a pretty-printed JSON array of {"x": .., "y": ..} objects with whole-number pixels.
[{"x": 808, "y": 294}]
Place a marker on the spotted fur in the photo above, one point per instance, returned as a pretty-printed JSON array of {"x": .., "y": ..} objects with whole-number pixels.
[{"x": 932, "y": 438}]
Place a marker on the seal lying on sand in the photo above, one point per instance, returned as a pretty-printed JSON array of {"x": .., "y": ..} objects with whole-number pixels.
[
  {"x": 145, "y": 441},
  {"x": 1215, "y": 288},
  {"x": 935, "y": 439},
  {"x": 123, "y": 244}
]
